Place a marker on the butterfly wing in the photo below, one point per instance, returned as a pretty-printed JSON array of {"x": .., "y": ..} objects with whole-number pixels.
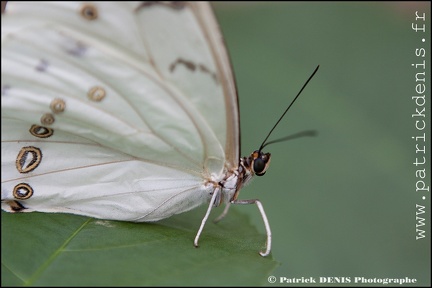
[{"x": 114, "y": 110}]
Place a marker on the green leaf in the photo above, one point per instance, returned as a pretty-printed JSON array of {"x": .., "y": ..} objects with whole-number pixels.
[{"x": 43, "y": 249}]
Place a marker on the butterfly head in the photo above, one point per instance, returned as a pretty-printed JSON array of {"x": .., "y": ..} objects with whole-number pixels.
[{"x": 259, "y": 162}]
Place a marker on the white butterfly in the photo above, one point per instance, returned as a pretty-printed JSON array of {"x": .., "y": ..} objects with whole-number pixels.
[{"x": 120, "y": 110}]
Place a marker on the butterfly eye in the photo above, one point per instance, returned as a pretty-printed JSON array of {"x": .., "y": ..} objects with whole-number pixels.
[
  {"x": 261, "y": 163},
  {"x": 259, "y": 166}
]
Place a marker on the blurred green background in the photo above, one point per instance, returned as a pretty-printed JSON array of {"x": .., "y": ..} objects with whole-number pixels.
[{"x": 342, "y": 203}]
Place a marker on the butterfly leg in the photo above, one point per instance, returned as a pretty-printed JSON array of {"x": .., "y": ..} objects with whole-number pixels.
[
  {"x": 204, "y": 220},
  {"x": 266, "y": 223},
  {"x": 224, "y": 213}
]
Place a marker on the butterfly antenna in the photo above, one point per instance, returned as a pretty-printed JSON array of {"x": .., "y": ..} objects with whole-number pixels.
[{"x": 292, "y": 102}]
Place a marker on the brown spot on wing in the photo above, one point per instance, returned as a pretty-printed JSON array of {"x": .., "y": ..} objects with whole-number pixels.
[
  {"x": 57, "y": 105},
  {"x": 206, "y": 70},
  {"x": 47, "y": 119},
  {"x": 89, "y": 12},
  {"x": 96, "y": 93},
  {"x": 22, "y": 191},
  {"x": 188, "y": 64},
  {"x": 28, "y": 159},
  {"x": 41, "y": 131},
  {"x": 15, "y": 206},
  {"x": 193, "y": 67}
]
